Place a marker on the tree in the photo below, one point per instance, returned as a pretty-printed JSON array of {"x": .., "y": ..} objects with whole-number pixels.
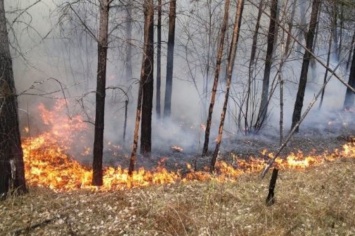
[
  {"x": 268, "y": 63},
  {"x": 230, "y": 66},
  {"x": 216, "y": 76},
  {"x": 12, "y": 172},
  {"x": 349, "y": 96},
  {"x": 252, "y": 63},
  {"x": 128, "y": 58},
  {"x": 157, "y": 104},
  {"x": 170, "y": 59},
  {"x": 147, "y": 78},
  {"x": 145, "y": 86},
  {"x": 305, "y": 65},
  {"x": 102, "y": 45}
]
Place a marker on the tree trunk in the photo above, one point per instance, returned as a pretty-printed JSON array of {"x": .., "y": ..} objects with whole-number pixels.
[
  {"x": 147, "y": 78},
  {"x": 349, "y": 96},
  {"x": 170, "y": 59},
  {"x": 334, "y": 29},
  {"x": 252, "y": 64},
  {"x": 100, "y": 93},
  {"x": 305, "y": 65},
  {"x": 158, "y": 109},
  {"x": 326, "y": 72},
  {"x": 12, "y": 171},
  {"x": 216, "y": 76},
  {"x": 128, "y": 60},
  {"x": 268, "y": 63},
  {"x": 290, "y": 27},
  {"x": 230, "y": 66}
]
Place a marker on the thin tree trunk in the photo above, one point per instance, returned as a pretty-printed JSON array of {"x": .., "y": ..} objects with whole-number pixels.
[
  {"x": 252, "y": 64},
  {"x": 334, "y": 28},
  {"x": 133, "y": 158},
  {"x": 158, "y": 109},
  {"x": 100, "y": 93},
  {"x": 305, "y": 65},
  {"x": 170, "y": 59},
  {"x": 290, "y": 27},
  {"x": 341, "y": 29},
  {"x": 268, "y": 63},
  {"x": 326, "y": 72},
  {"x": 128, "y": 59},
  {"x": 12, "y": 171},
  {"x": 146, "y": 77},
  {"x": 216, "y": 76},
  {"x": 230, "y": 66},
  {"x": 349, "y": 95}
]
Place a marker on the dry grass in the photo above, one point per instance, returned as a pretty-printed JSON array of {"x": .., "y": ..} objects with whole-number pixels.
[{"x": 318, "y": 201}]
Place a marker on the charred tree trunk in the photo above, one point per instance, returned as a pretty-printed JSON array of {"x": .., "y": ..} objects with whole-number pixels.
[
  {"x": 170, "y": 59},
  {"x": 268, "y": 63},
  {"x": 158, "y": 109},
  {"x": 12, "y": 171},
  {"x": 230, "y": 66},
  {"x": 270, "y": 199},
  {"x": 305, "y": 65},
  {"x": 349, "y": 96},
  {"x": 100, "y": 93},
  {"x": 147, "y": 78},
  {"x": 216, "y": 76}
]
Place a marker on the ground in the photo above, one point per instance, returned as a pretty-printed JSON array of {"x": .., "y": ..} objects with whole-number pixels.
[{"x": 318, "y": 200}]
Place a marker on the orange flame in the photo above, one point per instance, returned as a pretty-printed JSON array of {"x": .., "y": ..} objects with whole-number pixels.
[{"x": 47, "y": 163}]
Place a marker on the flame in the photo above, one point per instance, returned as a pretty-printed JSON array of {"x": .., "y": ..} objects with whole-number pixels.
[{"x": 47, "y": 163}]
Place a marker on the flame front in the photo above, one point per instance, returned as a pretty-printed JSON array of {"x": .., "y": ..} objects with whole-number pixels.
[{"x": 47, "y": 163}]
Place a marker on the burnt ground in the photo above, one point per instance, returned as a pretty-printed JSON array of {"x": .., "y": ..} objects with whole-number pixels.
[{"x": 313, "y": 138}]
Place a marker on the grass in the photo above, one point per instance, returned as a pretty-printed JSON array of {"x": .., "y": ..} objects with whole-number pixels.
[{"x": 317, "y": 201}]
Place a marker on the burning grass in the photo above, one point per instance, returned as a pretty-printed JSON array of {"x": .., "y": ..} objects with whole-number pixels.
[{"x": 317, "y": 201}]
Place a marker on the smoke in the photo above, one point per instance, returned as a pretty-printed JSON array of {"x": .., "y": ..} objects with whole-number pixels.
[{"x": 62, "y": 64}]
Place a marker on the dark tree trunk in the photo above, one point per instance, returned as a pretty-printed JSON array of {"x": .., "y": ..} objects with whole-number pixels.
[
  {"x": 216, "y": 76},
  {"x": 170, "y": 59},
  {"x": 230, "y": 66},
  {"x": 305, "y": 65},
  {"x": 268, "y": 63},
  {"x": 147, "y": 79},
  {"x": 349, "y": 96},
  {"x": 158, "y": 109},
  {"x": 12, "y": 171},
  {"x": 100, "y": 93}
]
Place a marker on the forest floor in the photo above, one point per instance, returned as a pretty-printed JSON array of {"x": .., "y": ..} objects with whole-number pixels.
[{"x": 315, "y": 201}]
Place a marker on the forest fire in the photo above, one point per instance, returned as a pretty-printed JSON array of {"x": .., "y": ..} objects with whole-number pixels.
[{"x": 47, "y": 163}]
